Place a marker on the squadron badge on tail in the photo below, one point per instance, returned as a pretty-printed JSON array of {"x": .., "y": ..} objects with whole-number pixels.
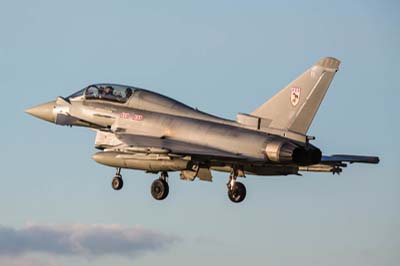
[{"x": 295, "y": 95}]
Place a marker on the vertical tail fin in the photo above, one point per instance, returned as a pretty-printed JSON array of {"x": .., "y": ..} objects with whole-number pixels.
[{"x": 294, "y": 107}]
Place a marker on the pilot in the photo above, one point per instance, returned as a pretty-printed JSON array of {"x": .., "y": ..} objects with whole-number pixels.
[
  {"x": 128, "y": 93},
  {"x": 101, "y": 92},
  {"x": 108, "y": 93}
]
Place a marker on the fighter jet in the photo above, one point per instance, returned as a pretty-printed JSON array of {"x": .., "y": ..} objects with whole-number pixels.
[{"x": 140, "y": 129}]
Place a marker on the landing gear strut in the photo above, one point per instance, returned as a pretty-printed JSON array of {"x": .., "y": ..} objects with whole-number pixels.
[
  {"x": 236, "y": 190},
  {"x": 117, "y": 183},
  {"x": 159, "y": 189}
]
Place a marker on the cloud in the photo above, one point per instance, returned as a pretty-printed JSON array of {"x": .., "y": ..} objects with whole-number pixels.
[
  {"x": 29, "y": 260},
  {"x": 82, "y": 240}
]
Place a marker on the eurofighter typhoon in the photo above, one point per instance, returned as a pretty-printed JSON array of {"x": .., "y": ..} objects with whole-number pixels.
[{"x": 141, "y": 129}]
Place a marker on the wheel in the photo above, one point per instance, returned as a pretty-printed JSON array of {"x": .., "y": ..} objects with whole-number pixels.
[
  {"x": 117, "y": 183},
  {"x": 159, "y": 189},
  {"x": 237, "y": 193}
]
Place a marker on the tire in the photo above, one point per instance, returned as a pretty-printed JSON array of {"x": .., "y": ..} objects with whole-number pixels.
[
  {"x": 159, "y": 189},
  {"x": 237, "y": 193},
  {"x": 117, "y": 183}
]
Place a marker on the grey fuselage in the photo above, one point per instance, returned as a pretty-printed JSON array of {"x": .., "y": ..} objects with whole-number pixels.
[{"x": 149, "y": 114}]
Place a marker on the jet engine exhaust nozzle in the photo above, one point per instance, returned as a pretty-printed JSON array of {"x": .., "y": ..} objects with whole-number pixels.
[{"x": 287, "y": 152}]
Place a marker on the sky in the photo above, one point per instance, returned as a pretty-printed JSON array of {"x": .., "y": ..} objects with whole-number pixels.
[{"x": 57, "y": 206}]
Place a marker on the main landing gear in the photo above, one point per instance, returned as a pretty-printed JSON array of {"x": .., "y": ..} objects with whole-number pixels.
[
  {"x": 160, "y": 188},
  {"x": 236, "y": 190},
  {"x": 117, "y": 183}
]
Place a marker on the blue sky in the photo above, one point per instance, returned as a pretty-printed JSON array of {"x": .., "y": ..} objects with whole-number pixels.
[{"x": 223, "y": 57}]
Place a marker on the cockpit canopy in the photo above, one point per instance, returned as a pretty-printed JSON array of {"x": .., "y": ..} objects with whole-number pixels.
[{"x": 106, "y": 92}]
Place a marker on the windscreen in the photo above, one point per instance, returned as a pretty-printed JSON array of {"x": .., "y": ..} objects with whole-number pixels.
[{"x": 76, "y": 94}]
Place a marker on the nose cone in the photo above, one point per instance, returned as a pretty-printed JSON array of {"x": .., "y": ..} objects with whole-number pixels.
[{"x": 43, "y": 111}]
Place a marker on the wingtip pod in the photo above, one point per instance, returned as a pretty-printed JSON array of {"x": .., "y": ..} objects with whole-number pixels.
[{"x": 329, "y": 62}]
